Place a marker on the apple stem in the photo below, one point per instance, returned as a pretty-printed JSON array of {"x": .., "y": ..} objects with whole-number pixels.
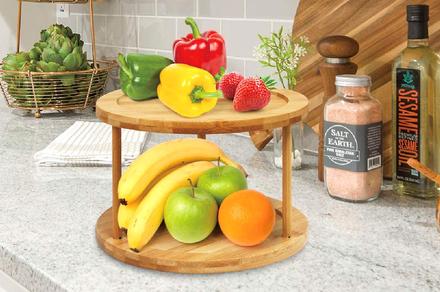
[
  {"x": 218, "y": 166},
  {"x": 192, "y": 187}
]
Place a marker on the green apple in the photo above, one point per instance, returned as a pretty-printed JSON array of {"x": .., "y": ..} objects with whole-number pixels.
[
  {"x": 222, "y": 181},
  {"x": 190, "y": 214}
]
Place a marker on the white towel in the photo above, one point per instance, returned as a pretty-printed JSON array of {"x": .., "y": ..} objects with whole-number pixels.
[{"x": 90, "y": 144}]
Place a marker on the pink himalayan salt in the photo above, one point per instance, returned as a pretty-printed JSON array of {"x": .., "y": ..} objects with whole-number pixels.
[{"x": 354, "y": 110}]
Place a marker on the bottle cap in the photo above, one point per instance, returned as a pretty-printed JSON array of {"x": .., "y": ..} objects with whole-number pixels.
[
  {"x": 417, "y": 13},
  {"x": 353, "y": 80},
  {"x": 417, "y": 17}
]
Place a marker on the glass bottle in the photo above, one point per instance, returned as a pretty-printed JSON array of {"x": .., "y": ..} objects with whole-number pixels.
[
  {"x": 436, "y": 70},
  {"x": 413, "y": 108},
  {"x": 297, "y": 146},
  {"x": 353, "y": 168},
  {"x": 437, "y": 214},
  {"x": 437, "y": 132}
]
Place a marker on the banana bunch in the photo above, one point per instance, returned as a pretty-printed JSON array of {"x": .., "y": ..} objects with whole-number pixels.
[
  {"x": 139, "y": 175},
  {"x": 146, "y": 184}
]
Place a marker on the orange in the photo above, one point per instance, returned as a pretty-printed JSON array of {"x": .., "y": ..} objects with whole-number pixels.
[{"x": 246, "y": 217}]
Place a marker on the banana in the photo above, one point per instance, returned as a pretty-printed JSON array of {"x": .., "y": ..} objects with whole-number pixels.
[
  {"x": 140, "y": 174},
  {"x": 149, "y": 214},
  {"x": 125, "y": 213}
]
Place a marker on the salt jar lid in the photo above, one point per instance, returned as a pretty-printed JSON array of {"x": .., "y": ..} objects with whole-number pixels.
[{"x": 353, "y": 80}]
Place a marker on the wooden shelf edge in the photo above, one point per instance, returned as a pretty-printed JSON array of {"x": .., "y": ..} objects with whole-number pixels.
[{"x": 213, "y": 255}]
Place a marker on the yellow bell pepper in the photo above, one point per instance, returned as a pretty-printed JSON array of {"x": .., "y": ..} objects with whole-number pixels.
[{"x": 188, "y": 91}]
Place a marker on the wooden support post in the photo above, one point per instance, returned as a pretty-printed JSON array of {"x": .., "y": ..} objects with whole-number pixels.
[
  {"x": 20, "y": 4},
  {"x": 116, "y": 169},
  {"x": 92, "y": 30},
  {"x": 287, "y": 181},
  {"x": 201, "y": 136}
]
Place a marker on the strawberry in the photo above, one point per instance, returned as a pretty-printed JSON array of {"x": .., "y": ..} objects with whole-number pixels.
[
  {"x": 252, "y": 94},
  {"x": 228, "y": 84}
]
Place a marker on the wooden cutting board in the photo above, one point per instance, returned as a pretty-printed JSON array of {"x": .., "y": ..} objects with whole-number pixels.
[{"x": 379, "y": 26}]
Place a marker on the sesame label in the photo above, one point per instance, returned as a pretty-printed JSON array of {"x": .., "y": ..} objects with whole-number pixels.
[{"x": 407, "y": 123}]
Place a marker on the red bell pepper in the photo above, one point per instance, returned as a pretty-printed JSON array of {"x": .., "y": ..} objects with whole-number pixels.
[{"x": 206, "y": 51}]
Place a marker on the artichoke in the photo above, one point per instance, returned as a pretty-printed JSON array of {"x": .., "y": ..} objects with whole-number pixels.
[
  {"x": 17, "y": 83},
  {"x": 60, "y": 50},
  {"x": 18, "y": 62},
  {"x": 56, "y": 29}
]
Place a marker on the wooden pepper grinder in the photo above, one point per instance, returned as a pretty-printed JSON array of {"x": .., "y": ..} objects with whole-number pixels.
[{"x": 337, "y": 51}]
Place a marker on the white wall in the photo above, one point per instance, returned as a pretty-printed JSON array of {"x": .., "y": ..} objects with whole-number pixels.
[
  {"x": 151, "y": 26},
  {"x": 35, "y": 18}
]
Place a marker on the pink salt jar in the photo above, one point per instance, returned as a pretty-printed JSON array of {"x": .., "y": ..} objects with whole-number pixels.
[{"x": 353, "y": 141}]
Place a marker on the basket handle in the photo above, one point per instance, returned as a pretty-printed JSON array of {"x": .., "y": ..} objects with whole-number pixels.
[
  {"x": 19, "y": 25},
  {"x": 92, "y": 29}
]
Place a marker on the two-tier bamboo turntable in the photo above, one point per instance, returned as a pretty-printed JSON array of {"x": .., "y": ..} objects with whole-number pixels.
[{"x": 216, "y": 253}]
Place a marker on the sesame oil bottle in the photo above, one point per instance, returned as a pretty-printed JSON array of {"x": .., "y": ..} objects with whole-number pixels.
[{"x": 413, "y": 108}]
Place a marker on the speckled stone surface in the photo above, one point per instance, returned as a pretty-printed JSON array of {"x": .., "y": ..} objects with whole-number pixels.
[{"x": 48, "y": 215}]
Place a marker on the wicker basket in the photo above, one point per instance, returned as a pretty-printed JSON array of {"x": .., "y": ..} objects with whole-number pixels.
[{"x": 37, "y": 91}]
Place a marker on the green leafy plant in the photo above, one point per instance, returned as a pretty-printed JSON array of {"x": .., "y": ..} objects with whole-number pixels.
[{"x": 283, "y": 53}]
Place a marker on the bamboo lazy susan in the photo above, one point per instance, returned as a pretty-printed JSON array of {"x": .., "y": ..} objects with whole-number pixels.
[{"x": 215, "y": 254}]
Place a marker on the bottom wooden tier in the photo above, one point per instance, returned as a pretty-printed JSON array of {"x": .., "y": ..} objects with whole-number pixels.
[{"x": 216, "y": 254}]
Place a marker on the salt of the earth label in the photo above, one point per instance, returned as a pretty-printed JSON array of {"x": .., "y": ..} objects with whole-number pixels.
[
  {"x": 353, "y": 147},
  {"x": 353, "y": 141}
]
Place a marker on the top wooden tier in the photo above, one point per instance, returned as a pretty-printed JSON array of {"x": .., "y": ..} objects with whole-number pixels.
[{"x": 286, "y": 107}]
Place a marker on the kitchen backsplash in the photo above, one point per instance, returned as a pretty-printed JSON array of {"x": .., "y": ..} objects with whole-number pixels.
[{"x": 151, "y": 26}]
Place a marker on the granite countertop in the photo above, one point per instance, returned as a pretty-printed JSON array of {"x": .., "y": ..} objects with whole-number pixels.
[{"x": 48, "y": 216}]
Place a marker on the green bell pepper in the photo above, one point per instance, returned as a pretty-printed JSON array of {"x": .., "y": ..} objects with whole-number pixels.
[{"x": 139, "y": 74}]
